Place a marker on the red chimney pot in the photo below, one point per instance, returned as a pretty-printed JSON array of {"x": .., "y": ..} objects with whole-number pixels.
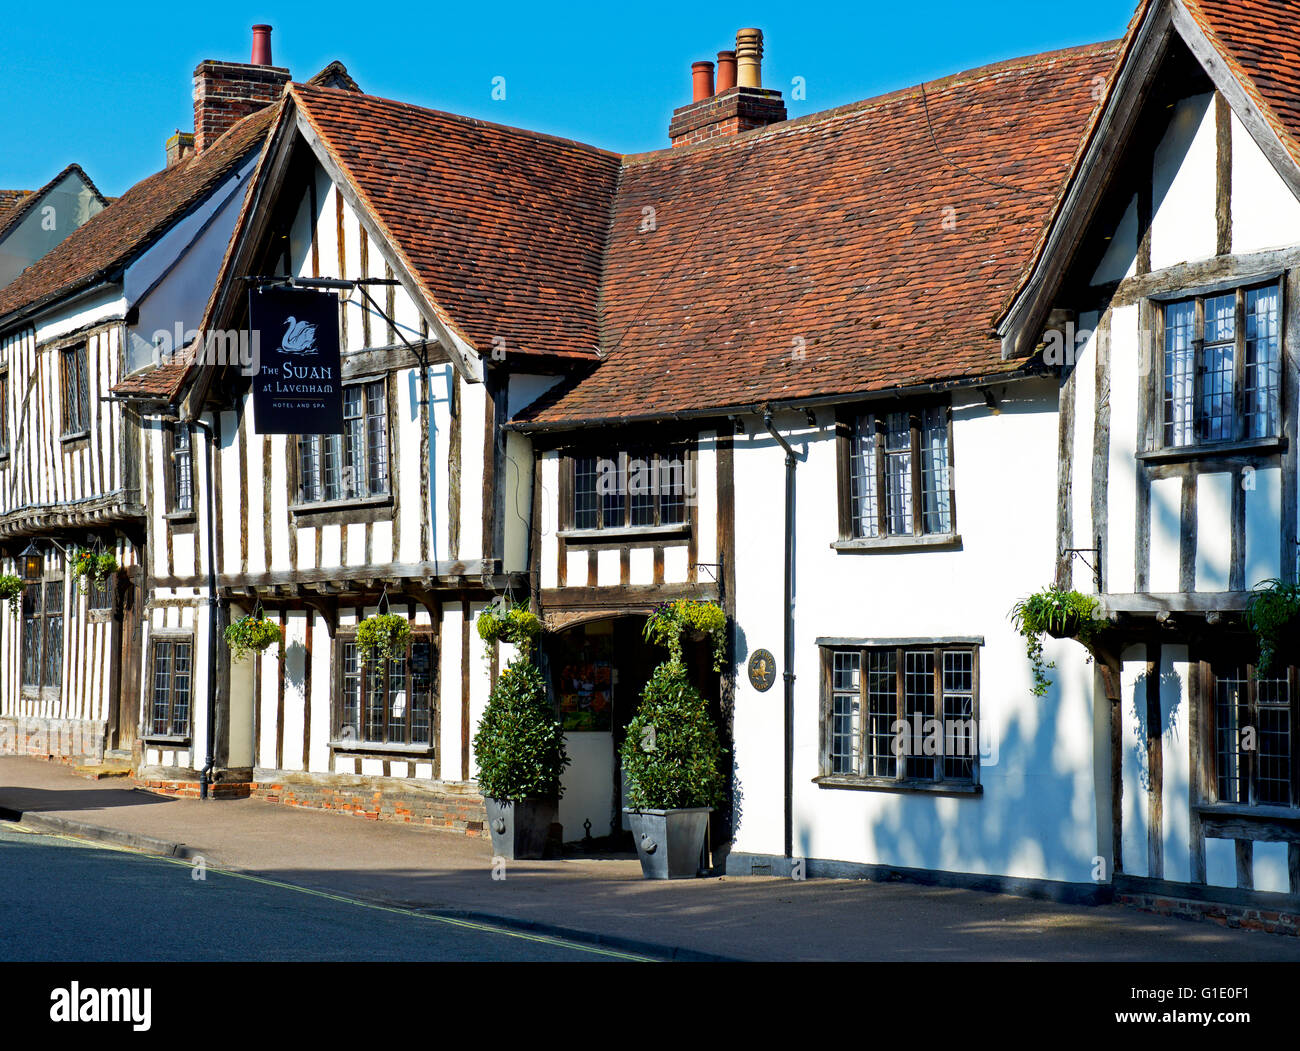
[
  {"x": 726, "y": 71},
  {"x": 702, "y": 79},
  {"x": 262, "y": 46}
]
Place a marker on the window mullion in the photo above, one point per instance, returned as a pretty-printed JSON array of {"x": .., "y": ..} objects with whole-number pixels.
[
  {"x": 914, "y": 431},
  {"x": 1252, "y": 712},
  {"x": 1198, "y": 368},
  {"x": 900, "y": 715},
  {"x": 939, "y": 714},
  {"x": 1239, "y": 368}
]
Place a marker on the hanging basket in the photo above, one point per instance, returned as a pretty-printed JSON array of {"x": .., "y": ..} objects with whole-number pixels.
[
  {"x": 252, "y": 634},
  {"x": 11, "y": 591},
  {"x": 383, "y": 637}
]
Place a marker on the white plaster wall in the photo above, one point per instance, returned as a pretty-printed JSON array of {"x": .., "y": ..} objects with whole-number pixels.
[
  {"x": 1037, "y": 817},
  {"x": 1175, "y": 705},
  {"x": 1120, "y": 258},
  {"x": 1263, "y": 525},
  {"x": 1213, "y": 531},
  {"x": 1166, "y": 533},
  {"x": 1183, "y": 226},
  {"x": 1136, "y": 771},
  {"x": 1121, "y": 485},
  {"x": 1265, "y": 214}
]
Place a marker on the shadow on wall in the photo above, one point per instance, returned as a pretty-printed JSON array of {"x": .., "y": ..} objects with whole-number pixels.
[
  {"x": 1038, "y": 816},
  {"x": 1169, "y": 684}
]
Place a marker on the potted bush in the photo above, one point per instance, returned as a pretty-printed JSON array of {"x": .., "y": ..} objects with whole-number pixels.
[
  {"x": 519, "y": 747},
  {"x": 11, "y": 591},
  {"x": 383, "y": 637},
  {"x": 1062, "y": 615},
  {"x": 252, "y": 634},
  {"x": 672, "y": 756},
  {"x": 1274, "y": 616},
  {"x": 87, "y": 566}
]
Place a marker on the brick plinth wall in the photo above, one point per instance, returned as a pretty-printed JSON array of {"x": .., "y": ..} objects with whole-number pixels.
[
  {"x": 190, "y": 789},
  {"x": 452, "y": 812},
  {"x": 728, "y": 113},
  {"x": 1245, "y": 917},
  {"x": 226, "y": 92}
]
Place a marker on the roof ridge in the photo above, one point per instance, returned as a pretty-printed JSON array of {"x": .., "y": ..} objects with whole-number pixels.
[
  {"x": 459, "y": 118},
  {"x": 976, "y": 73},
  {"x": 25, "y": 204}
]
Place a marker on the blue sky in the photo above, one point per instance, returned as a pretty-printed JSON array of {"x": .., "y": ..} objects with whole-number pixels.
[{"x": 104, "y": 85}]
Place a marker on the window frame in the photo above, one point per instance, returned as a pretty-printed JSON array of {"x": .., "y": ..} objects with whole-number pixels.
[
  {"x": 74, "y": 424},
  {"x": 627, "y": 452},
  {"x": 1212, "y": 668},
  {"x": 38, "y": 592},
  {"x": 171, "y": 736},
  {"x": 4, "y": 413},
  {"x": 344, "y": 637},
  {"x": 847, "y": 430},
  {"x": 903, "y": 779},
  {"x": 363, "y": 496},
  {"x": 174, "y": 492},
  {"x": 1158, "y": 443}
]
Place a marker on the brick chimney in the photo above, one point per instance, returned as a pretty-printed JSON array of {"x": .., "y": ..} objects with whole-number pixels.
[
  {"x": 225, "y": 92},
  {"x": 741, "y": 102},
  {"x": 179, "y": 146}
]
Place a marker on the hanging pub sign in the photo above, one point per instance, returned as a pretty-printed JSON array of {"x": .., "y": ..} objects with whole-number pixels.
[{"x": 298, "y": 387}]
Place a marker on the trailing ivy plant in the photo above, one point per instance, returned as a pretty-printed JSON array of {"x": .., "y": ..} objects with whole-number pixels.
[
  {"x": 1059, "y": 613},
  {"x": 383, "y": 637},
  {"x": 87, "y": 566},
  {"x": 519, "y": 744},
  {"x": 672, "y": 756},
  {"x": 11, "y": 591},
  {"x": 252, "y": 634},
  {"x": 667, "y": 623},
  {"x": 1274, "y": 610},
  {"x": 517, "y": 625}
]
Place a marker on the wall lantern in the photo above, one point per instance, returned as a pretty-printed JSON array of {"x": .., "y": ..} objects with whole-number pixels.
[{"x": 33, "y": 563}]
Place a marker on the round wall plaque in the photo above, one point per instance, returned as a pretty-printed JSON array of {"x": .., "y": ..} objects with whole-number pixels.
[{"x": 762, "y": 670}]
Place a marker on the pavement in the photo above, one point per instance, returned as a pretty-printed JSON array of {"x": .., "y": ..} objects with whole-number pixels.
[{"x": 603, "y": 900}]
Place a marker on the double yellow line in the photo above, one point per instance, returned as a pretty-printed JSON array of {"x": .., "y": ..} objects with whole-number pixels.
[{"x": 473, "y": 925}]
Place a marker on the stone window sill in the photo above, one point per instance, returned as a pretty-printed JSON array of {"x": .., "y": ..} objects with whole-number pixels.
[{"x": 884, "y": 784}]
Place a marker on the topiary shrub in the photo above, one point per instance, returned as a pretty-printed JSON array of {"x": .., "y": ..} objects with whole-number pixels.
[
  {"x": 519, "y": 744},
  {"x": 672, "y": 755}
]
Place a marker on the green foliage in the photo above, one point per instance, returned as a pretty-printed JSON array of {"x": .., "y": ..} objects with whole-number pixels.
[
  {"x": 519, "y": 743},
  {"x": 1273, "y": 610},
  {"x": 1062, "y": 614},
  {"x": 87, "y": 566},
  {"x": 518, "y": 626},
  {"x": 667, "y": 623},
  {"x": 11, "y": 591},
  {"x": 383, "y": 637},
  {"x": 252, "y": 634},
  {"x": 672, "y": 755}
]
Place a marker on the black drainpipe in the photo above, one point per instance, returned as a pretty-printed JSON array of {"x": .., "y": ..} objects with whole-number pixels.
[
  {"x": 788, "y": 656},
  {"x": 214, "y": 439}
]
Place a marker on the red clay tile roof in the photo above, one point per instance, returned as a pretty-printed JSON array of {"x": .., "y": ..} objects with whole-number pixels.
[
  {"x": 818, "y": 256},
  {"x": 160, "y": 383},
  {"x": 8, "y": 200},
  {"x": 504, "y": 228},
  {"x": 102, "y": 247},
  {"x": 1260, "y": 42}
]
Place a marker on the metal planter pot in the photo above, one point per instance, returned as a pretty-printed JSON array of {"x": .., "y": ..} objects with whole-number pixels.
[
  {"x": 670, "y": 843},
  {"x": 521, "y": 830}
]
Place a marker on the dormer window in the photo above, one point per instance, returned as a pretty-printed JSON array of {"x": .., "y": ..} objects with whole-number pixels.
[{"x": 1222, "y": 367}]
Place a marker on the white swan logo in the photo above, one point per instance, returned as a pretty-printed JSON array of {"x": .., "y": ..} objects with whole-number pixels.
[{"x": 300, "y": 338}]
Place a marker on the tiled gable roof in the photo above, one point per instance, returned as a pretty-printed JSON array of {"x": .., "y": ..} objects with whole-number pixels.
[
  {"x": 27, "y": 200},
  {"x": 856, "y": 250},
  {"x": 504, "y": 228},
  {"x": 107, "y": 243},
  {"x": 9, "y": 199},
  {"x": 1260, "y": 41}
]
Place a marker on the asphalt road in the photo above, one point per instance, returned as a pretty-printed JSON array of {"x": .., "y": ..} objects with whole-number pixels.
[{"x": 67, "y": 900}]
